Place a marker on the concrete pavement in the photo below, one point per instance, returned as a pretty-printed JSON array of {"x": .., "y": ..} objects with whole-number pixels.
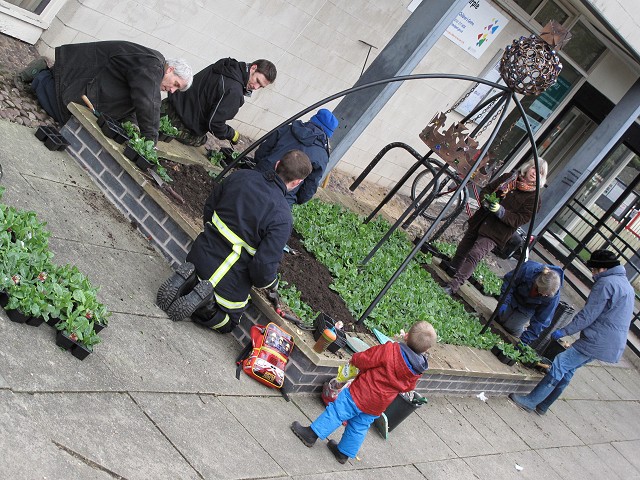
[{"x": 160, "y": 400}]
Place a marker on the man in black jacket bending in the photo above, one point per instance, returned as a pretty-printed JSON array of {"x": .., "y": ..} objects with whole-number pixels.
[
  {"x": 247, "y": 223},
  {"x": 216, "y": 96},
  {"x": 121, "y": 79}
]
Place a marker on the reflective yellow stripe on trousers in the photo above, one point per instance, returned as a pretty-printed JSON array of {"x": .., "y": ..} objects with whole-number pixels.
[{"x": 237, "y": 244}]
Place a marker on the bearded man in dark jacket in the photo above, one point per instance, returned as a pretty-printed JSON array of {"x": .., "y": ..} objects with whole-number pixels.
[
  {"x": 216, "y": 96},
  {"x": 121, "y": 79},
  {"x": 312, "y": 138},
  {"x": 247, "y": 223}
]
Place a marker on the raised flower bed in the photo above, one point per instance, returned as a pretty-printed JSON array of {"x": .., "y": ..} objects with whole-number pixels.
[{"x": 307, "y": 370}]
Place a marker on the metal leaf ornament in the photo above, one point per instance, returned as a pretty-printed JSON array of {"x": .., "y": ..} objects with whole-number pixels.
[
  {"x": 530, "y": 65},
  {"x": 456, "y": 147}
]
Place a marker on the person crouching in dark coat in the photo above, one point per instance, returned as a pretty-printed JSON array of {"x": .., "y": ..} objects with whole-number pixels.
[
  {"x": 247, "y": 223},
  {"x": 312, "y": 138},
  {"x": 532, "y": 299},
  {"x": 121, "y": 79},
  {"x": 495, "y": 222}
]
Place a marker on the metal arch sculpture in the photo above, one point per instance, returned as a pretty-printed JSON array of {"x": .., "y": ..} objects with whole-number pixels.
[{"x": 539, "y": 70}]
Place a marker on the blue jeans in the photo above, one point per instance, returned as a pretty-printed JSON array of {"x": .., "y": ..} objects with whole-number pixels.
[
  {"x": 44, "y": 87},
  {"x": 561, "y": 373},
  {"x": 341, "y": 409}
]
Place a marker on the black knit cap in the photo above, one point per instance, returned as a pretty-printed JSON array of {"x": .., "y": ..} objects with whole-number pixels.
[{"x": 603, "y": 259}]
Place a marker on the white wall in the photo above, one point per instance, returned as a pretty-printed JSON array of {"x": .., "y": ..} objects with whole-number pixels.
[{"x": 313, "y": 43}]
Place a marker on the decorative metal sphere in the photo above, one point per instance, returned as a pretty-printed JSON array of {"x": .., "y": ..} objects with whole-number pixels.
[{"x": 530, "y": 66}]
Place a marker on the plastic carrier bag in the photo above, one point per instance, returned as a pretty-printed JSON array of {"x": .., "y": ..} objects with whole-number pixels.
[{"x": 266, "y": 357}]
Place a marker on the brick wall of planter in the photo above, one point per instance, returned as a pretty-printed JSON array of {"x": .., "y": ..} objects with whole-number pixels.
[{"x": 161, "y": 223}]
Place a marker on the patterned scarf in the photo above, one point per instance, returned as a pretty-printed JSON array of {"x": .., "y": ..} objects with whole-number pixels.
[{"x": 524, "y": 186}]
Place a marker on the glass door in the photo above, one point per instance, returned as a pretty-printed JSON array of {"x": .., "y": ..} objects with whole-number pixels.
[{"x": 568, "y": 135}]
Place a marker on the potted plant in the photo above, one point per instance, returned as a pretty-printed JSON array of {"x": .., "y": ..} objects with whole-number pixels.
[
  {"x": 528, "y": 356},
  {"x": 76, "y": 332},
  {"x": 111, "y": 128},
  {"x": 143, "y": 152},
  {"x": 167, "y": 131},
  {"x": 506, "y": 353}
]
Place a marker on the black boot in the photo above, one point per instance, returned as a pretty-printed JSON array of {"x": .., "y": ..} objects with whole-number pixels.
[
  {"x": 184, "y": 306},
  {"x": 306, "y": 434},
  {"x": 211, "y": 316},
  {"x": 341, "y": 457},
  {"x": 178, "y": 284}
]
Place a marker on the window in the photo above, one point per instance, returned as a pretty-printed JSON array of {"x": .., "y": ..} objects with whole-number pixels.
[
  {"x": 584, "y": 47},
  {"x": 34, "y": 6},
  {"x": 551, "y": 11}
]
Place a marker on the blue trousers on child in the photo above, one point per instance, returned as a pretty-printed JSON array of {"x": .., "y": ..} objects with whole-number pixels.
[{"x": 343, "y": 409}]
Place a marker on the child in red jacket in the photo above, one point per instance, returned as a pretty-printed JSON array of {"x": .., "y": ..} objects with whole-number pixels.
[{"x": 385, "y": 371}]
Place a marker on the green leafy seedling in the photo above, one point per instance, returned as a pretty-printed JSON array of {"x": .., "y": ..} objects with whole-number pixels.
[{"x": 167, "y": 128}]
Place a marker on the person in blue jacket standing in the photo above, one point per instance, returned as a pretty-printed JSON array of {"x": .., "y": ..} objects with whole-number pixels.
[
  {"x": 533, "y": 298},
  {"x": 312, "y": 138},
  {"x": 603, "y": 324}
]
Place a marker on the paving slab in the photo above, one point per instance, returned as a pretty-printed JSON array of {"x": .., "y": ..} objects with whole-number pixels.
[
  {"x": 587, "y": 419},
  {"x": 503, "y": 467},
  {"x": 74, "y": 213},
  {"x": 23, "y": 154},
  {"x": 128, "y": 280},
  {"x": 155, "y": 354},
  {"x": 608, "y": 378},
  {"x": 212, "y": 434},
  {"x": 629, "y": 377},
  {"x": 488, "y": 424},
  {"x": 28, "y": 452},
  {"x": 579, "y": 462},
  {"x": 30, "y": 361},
  {"x": 109, "y": 430},
  {"x": 535, "y": 430},
  {"x": 629, "y": 450},
  {"x": 447, "y": 469},
  {"x": 615, "y": 461},
  {"x": 453, "y": 429},
  {"x": 624, "y": 418},
  {"x": 404, "y": 472}
]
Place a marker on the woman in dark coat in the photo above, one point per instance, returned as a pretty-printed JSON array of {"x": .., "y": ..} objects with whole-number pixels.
[{"x": 495, "y": 222}]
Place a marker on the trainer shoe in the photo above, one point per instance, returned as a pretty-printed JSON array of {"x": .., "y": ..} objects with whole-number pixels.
[
  {"x": 184, "y": 306},
  {"x": 176, "y": 285},
  {"x": 305, "y": 434},
  {"x": 341, "y": 457}
]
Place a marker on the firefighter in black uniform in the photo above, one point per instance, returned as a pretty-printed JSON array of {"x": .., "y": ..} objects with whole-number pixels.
[{"x": 247, "y": 222}]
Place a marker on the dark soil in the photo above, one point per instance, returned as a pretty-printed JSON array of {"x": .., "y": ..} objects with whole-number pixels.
[
  {"x": 309, "y": 276},
  {"x": 191, "y": 182}
]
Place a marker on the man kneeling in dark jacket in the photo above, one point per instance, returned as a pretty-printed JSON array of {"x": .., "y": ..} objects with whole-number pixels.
[
  {"x": 247, "y": 223},
  {"x": 121, "y": 79}
]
